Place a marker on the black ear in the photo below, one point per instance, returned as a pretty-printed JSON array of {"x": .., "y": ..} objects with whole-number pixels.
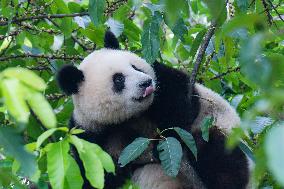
[
  {"x": 69, "y": 78},
  {"x": 111, "y": 41}
]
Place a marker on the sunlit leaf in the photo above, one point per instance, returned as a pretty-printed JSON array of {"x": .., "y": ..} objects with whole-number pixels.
[
  {"x": 63, "y": 170},
  {"x": 26, "y": 76}
]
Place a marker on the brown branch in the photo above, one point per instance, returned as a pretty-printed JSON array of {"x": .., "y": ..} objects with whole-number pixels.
[
  {"x": 55, "y": 96},
  {"x": 200, "y": 54},
  {"x": 226, "y": 73},
  {"x": 51, "y": 16},
  {"x": 28, "y": 55},
  {"x": 274, "y": 8},
  {"x": 266, "y": 8}
]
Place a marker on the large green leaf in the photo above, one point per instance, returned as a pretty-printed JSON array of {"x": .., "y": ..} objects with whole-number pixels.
[
  {"x": 188, "y": 139},
  {"x": 26, "y": 76},
  {"x": 47, "y": 134},
  {"x": 170, "y": 154},
  {"x": 205, "y": 127},
  {"x": 150, "y": 38},
  {"x": 274, "y": 149},
  {"x": 133, "y": 150},
  {"x": 42, "y": 109},
  {"x": 12, "y": 143},
  {"x": 93, "y": 166},
  {"x": 62, "y": 169},
  {"x": 104, "y": 157},
  {"x": 96, "y": 11},
  {"x": 13, "y": 94}
]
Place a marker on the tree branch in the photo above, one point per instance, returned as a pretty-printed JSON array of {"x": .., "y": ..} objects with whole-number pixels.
[
  {"x": 225, "y": 73},
  {"x": 28, "y": 55},
  {"x": 199, "y": 57},
  {"x": 51, "y": 16}
]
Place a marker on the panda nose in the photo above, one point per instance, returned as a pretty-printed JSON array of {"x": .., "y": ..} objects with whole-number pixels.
[{"x": 146, "y": 83}]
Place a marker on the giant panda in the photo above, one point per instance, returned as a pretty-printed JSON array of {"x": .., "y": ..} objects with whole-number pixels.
[{"x": 118, "y": 97}]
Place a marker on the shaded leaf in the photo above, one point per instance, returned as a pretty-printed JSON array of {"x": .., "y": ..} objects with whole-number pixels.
[
  {"x": 96, "y": 11},
  {"x": 170, "y": 154},
  {"x": 188, "y": 139},
  {"x": 150, "y": 38},
  {"x": 274, "y": 149},
  {"x": 133, "y": 150},
  {"x": 12, "y": 143},
  {"x": 205, "y": 126}
]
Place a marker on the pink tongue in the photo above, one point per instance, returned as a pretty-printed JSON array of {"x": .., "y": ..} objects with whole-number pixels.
[{"x": 149, "y": 90}]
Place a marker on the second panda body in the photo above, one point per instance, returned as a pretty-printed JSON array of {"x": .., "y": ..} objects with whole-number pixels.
[{"x": 115, "y": 103}]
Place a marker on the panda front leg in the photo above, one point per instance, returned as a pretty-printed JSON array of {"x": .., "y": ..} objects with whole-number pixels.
[{"x": 219, "y": 168}]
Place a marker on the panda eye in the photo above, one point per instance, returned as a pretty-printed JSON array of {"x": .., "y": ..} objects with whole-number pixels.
[
  {"x": 135, "y": 68},
  {"x": 118, "y": 82}
]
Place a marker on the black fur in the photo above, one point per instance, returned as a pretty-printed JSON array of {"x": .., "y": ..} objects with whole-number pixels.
[
  {"x": 118, "y": 82},
  {"x": 69, "y": 79},
  {"x": 111, "y": 41},
  {"x": 218, "y": 167},
  {"x": 171, "y": 106},
  {"x": 126, "y": 134}
]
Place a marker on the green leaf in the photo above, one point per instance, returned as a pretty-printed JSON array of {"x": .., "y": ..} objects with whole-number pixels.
[
  {"x": 93, "y": 166},
  {"x": 150, "y": 38},
  {"x": 26, "y": 76},
  {"x": 206, "y": 124},
  {"x": 12, "y": 143},
  {"x": 188, "y": 139},
  {"x": 47, "y": 134},
  {"x": 196, "y": 43},
  {"x": 274, "y": 149},
  {"x": 173, "y": 9},
  {"x": 170, "y": 154},
  {"x": 42, "y": 109},
  {"x": 133, "y": 150},
  {"x": 217, "y": 9},
  {"x": 13, "y": 94},
  {"x": 62, "y": 169},
  {"x": 96, "y": 11},
  {"x": 179, "y": 29},
  {"x": 104, "y": 157},
  {"x": 243, "y": 4}
]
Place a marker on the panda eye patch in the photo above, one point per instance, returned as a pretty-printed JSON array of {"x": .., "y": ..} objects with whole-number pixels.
[
  {"x": 135, "y": 68},
  {"x": 118, "y": 82}
]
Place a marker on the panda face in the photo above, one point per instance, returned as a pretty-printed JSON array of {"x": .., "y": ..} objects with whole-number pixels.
[{"x": 117, "y": 86}]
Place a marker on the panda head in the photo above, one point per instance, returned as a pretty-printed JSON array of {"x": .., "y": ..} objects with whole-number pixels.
[{"x": 110, "y": 85}]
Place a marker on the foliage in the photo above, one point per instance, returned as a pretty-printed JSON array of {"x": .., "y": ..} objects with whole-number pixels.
[{"x": 243, "y": 62}]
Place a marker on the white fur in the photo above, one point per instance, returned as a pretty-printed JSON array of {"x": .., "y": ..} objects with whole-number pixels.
[
  {"x": 212, "y": 104},
  {"x": 97, "y": 103},
  {"x": 152, "y": 176}
]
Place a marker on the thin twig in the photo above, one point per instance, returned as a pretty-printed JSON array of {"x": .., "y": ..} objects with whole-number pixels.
[
  {"x": 274, "y": 8},
  {"x": 200, "y": 54},
  {"x": 28, "y": 55},
  {"x": 225, "y": 73}
]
